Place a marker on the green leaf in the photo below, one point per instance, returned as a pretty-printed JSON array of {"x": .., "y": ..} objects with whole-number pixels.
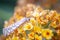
[
  {"x": 47, "y": 25},
  {"x": 27, "y": 31}
]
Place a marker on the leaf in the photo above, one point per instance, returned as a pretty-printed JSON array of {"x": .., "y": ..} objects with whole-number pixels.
[
  {"x": 47, "y": 25},
  {"x": 27, "y": 31}
]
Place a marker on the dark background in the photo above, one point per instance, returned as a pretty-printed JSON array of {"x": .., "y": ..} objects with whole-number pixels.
[{"x": 6, "y": 11}]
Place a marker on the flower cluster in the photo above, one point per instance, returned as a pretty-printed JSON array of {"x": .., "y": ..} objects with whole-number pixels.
[{"x": 43, "y": 24}]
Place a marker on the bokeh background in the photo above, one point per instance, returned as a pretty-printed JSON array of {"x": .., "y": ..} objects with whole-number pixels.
[
  {"x": 7, "y": 8},
  {"x": 6, "y": 11}
]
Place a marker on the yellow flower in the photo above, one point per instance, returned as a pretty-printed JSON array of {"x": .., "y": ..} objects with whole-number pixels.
[
  {"x": 43, "y": 13},
  {"x": 22, "y": 31},
  {"x": 53, "y": 24},
  {"x": 38, "y": 37},
  {"x": 33, "y": 21},
  {"x": 58, "y": 32},
  {"x": 47, "y": 33},
  {"x": 47, "y": 17},
  {"x": 14, "y": 37},
  {"x": 18, "y": 17},
  {"x": 35, "y": 14},
  {"x": 23, "y": 38},
  {"x": 37, "y": 29},
  {"x": 31, "y": 35},
  {"x": 39, "y": 9},
  {"x": 28, "y": 26},
  {"x": 28, "y": 14}
]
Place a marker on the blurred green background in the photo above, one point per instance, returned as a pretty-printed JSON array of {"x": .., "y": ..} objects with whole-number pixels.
[{"x": 6, "y": 11}]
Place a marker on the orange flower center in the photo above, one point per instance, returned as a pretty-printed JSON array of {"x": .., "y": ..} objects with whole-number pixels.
[
  {"x": 31, "y": 35},
  {"x": 47, "y": 33}
]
